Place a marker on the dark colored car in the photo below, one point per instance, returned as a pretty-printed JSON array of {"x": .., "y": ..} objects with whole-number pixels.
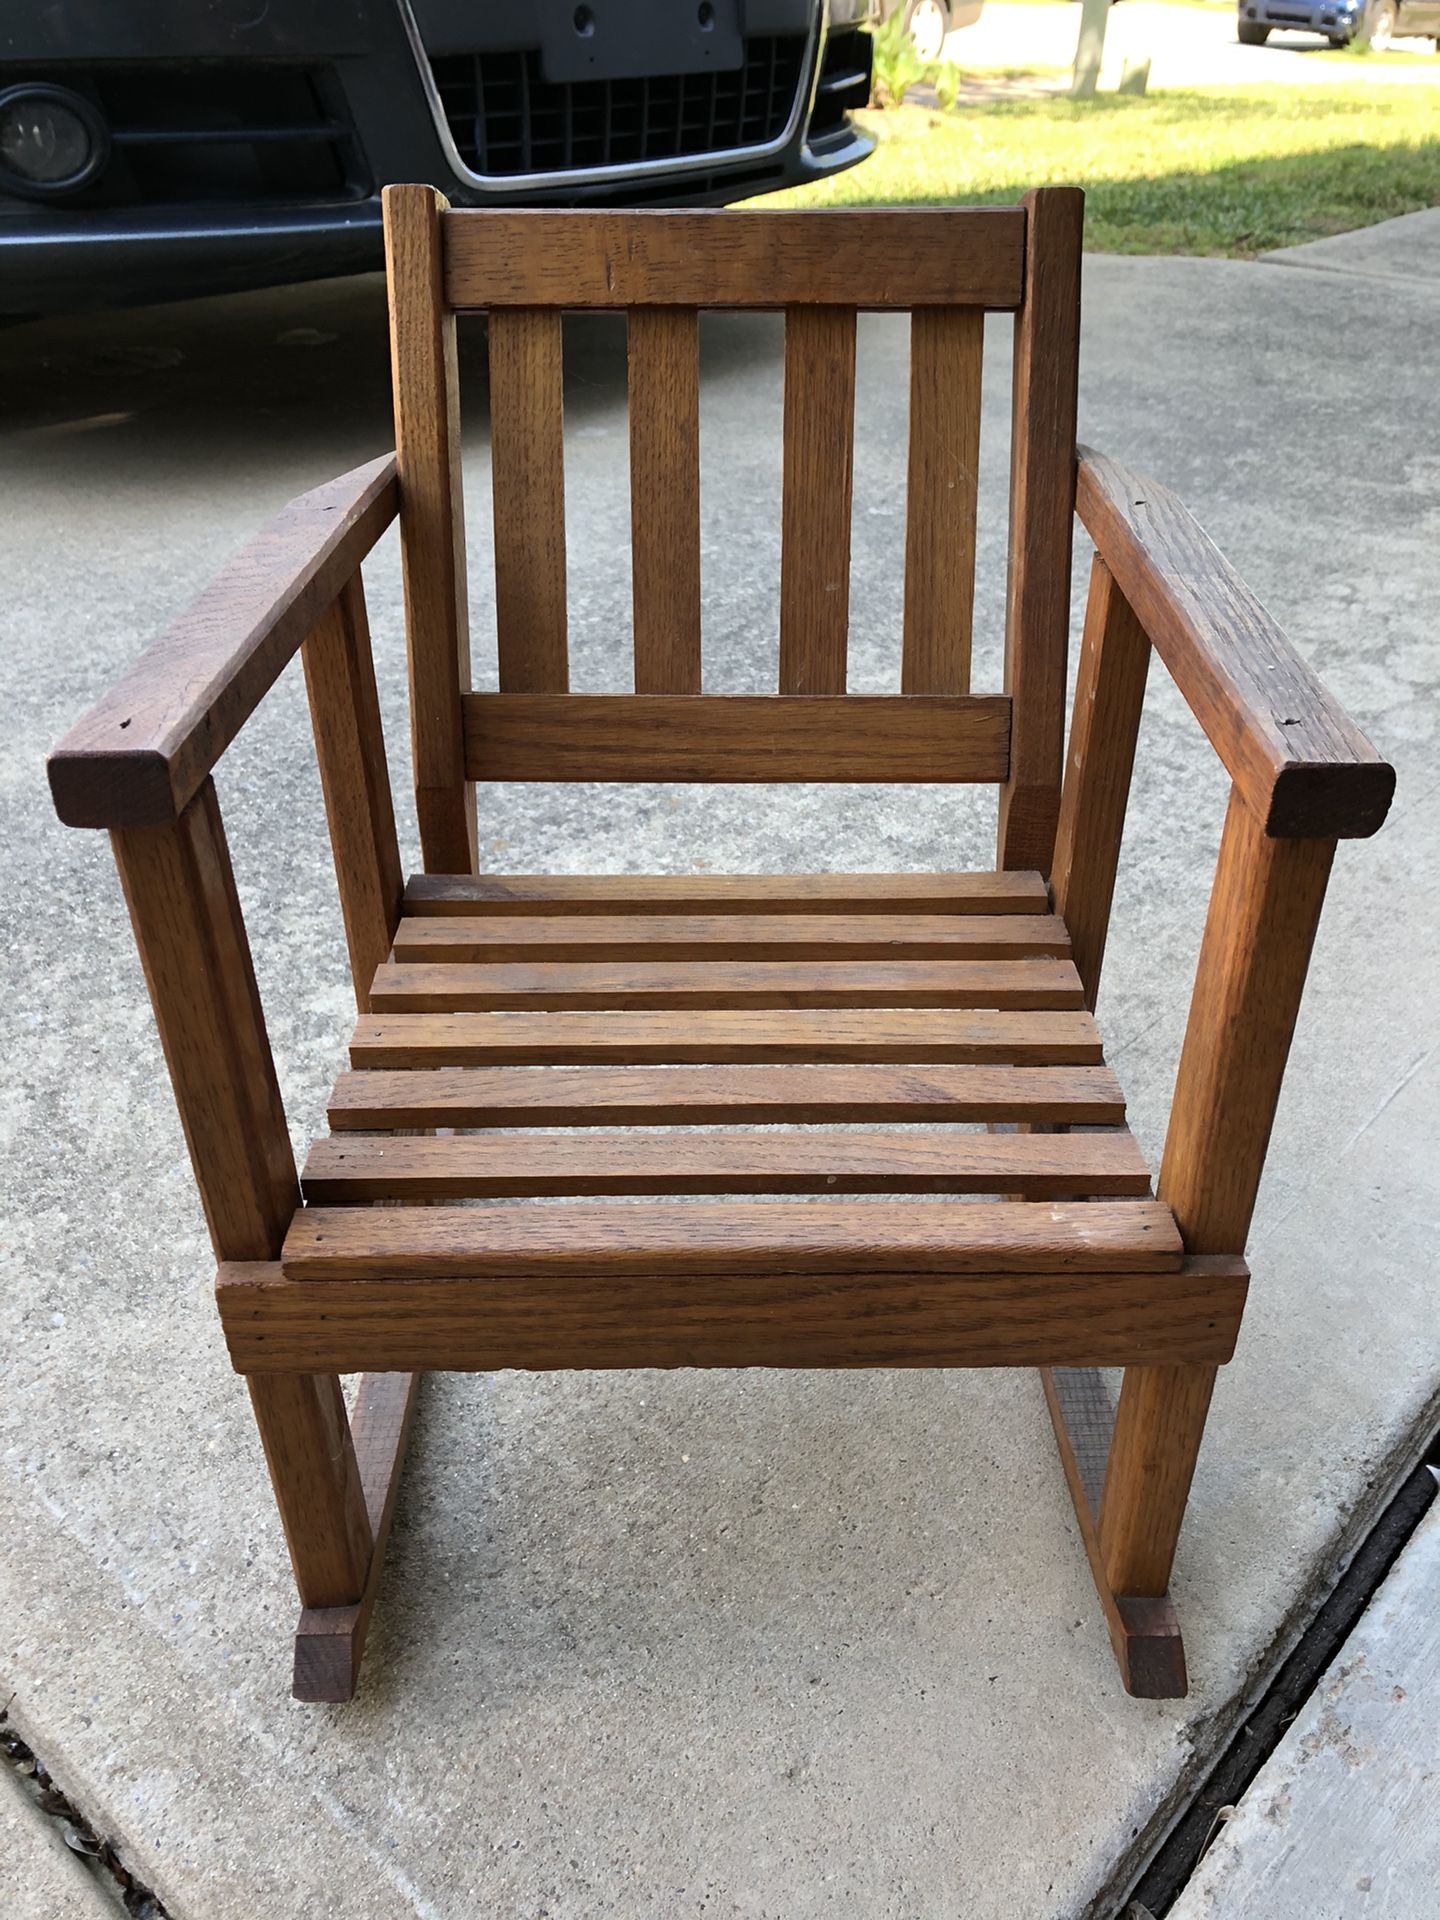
[
  {"x": 154, "y": 149},
  {"x": 1340, "y": 21}
]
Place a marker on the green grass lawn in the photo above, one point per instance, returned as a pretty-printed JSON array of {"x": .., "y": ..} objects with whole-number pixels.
[{"x": 1223, "y": 171}]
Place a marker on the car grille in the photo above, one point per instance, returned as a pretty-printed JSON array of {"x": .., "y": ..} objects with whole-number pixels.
[
  {"x": 506, "y": 119},
  {"x": 186, "y": 134}
]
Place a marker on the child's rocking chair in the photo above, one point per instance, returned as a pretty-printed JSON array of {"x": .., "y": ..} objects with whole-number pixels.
[{"x": 639, "y": 1011}]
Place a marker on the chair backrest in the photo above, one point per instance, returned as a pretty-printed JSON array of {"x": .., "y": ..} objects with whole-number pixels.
[{"x": 947, "y": 268}]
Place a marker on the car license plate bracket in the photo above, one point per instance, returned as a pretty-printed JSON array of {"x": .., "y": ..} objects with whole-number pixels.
[{"x": 630, "y": 39}]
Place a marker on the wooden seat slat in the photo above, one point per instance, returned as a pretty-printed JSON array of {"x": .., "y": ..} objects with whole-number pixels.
[
  {"x": 1038, "y": 983},
  {"x": 957, "y": 1036},
  {"x": 347, "y": 1170},
  {"x": 725, "y": 1096},
  {"x": 746, "y": 893},
  {"x": 690, "y": 1237},
  {"x": 776, "y": 936}
]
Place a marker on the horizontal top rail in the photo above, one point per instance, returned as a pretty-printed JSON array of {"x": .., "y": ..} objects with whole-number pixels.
[
  {"x": 1300, "y": 763},
  {"x": 140, "y": 754},
  {"x": 969, "y": 256}
]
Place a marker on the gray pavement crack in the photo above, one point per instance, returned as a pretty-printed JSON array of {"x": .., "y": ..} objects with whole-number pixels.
[{"x": 78, "y": 1833}]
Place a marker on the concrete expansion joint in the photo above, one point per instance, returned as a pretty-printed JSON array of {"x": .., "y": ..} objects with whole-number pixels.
[
  {"x": 1193, "y": 1817},
  {"x": 79, "y": 1835}
]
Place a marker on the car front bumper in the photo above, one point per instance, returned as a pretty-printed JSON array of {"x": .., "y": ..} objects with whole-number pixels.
[{"x": 375, "y": 113}]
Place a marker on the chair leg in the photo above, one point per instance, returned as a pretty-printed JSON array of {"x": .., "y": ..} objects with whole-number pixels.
[
  {"x": 1158, "y": 1427},
  {"x": 330, "y": 1641},
  {"x": 306, "y": 1436},
  {"x": 1143, "y": 1629}
]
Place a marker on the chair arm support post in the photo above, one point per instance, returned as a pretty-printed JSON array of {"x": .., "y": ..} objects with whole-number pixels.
[
  {"x": 1109, "y": 696},
  {"x": 1264, "y": 908},
  {"x": 350, "y": 748},
  {"x": 142, "y": 753},
  {"x": 1305, "y": 769}
]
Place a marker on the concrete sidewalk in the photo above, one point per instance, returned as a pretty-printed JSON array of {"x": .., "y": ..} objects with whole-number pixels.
[
  {"x": 739, "y": 1644},
  {"x": 40, "y": 1878}
]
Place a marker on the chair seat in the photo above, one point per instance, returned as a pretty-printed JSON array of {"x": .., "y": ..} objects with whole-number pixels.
[{"x": 757, "y": 1037}]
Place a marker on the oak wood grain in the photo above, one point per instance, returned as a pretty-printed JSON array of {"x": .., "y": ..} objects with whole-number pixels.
[
  {"x": 664, "y": 388},
  {"x": 1264, "y": 908},
  {"x": 1143, "y": 1630},
  {"x": 1036, "y": 983},
  {"x": 721, "y": 1096},
  {"x": 558, "y": 893},
  {"x": 432, "y": 523},
  {"x": 819, "y": 456},
  {"x": 1042, "y": 504},
  {"x": 1304, "y": 768},
  {"x": 606, "y": 1239},
  {"x": 771, "y": 1318},
  {"x": 738, "y": 737},
  {"x": 330, "y": 1641},
  {"x": 140, "y": 754},
  {"x": 844, "y": 257},
  {"x": 527, "y": 479},
  {"x": 430, "y": 1040},
  {"x": 946, "y": 347},
  {"x": 305, "y": 1434},
  {"x": 185, "y": 912},
  {"x": 729, "y": 936},
  {"x": 1109, "y": 694},
  {"x": 350, "y": 747},
  {"x": 346, "y": 1171},
  {"x": 1265, "y": 905}
]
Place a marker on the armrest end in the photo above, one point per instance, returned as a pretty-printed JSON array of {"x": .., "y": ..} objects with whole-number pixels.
[
  {"x": 141, "y": 753},
  {"x": 1302, "y": 765},
  {"x": 1342, "y": 800},
  {"x": 126, "y": 787}
]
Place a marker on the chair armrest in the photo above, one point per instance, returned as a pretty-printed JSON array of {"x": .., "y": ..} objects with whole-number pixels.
[
  {"x": 1300, "y": 763},
  {"x": 140, "y": 755}
]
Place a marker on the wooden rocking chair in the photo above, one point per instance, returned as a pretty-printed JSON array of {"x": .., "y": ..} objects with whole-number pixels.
[{"x": 605, "y": 1005}]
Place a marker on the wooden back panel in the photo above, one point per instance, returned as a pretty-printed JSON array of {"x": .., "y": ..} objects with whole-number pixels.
[{"x": 947, "y": 268}]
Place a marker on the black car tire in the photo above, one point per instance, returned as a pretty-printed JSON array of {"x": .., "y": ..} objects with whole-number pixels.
[{"x": 1250, "y": 33}]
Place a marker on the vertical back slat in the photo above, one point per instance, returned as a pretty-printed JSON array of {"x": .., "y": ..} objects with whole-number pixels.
[
  {"x": 664, "y": 366},
  {"x": 1042, "y": 506},
  {"x": 432, "y": 532},
  {"x": 946, "y": 346},
  {"x": 815, "y": 526},
  {"x": 527, "y": 466}
]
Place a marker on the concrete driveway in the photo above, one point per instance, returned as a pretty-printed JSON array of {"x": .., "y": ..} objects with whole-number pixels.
[
  {"x": 1187, "y": 46},
  {"x": 661, "y": 1645}
]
